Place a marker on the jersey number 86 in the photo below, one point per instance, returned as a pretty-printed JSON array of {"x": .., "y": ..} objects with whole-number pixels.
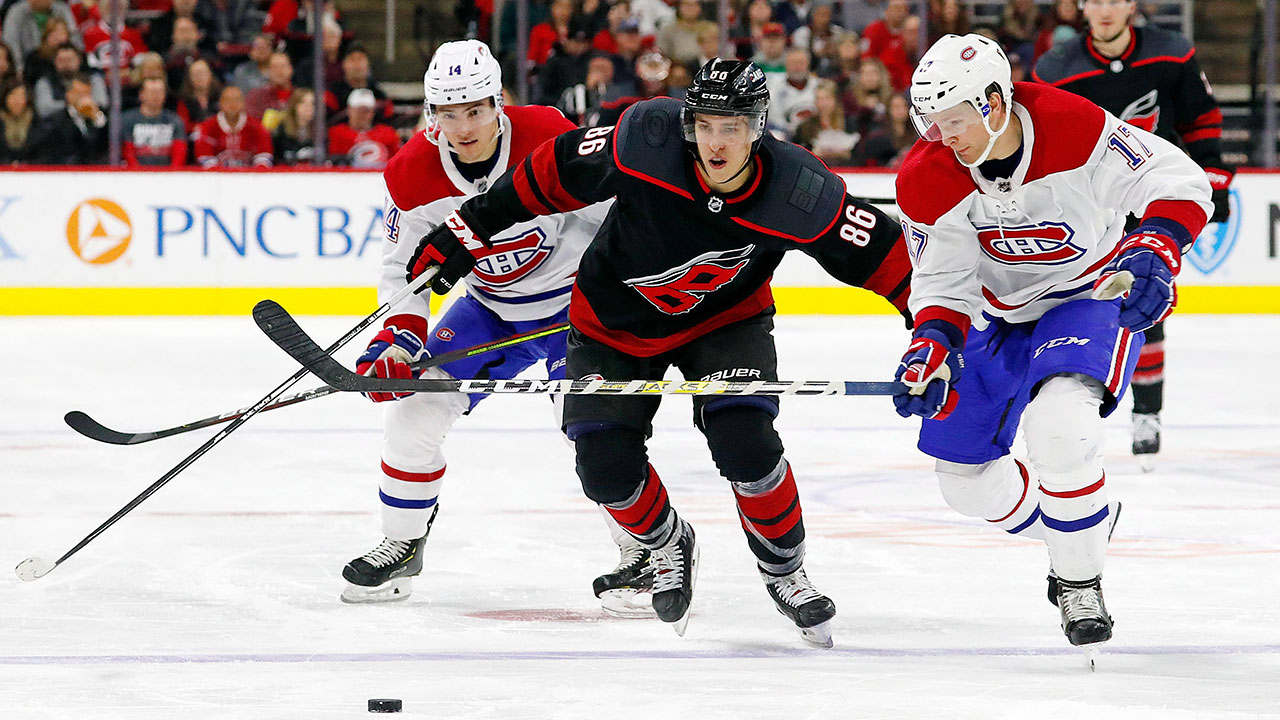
[{"x": 858, "y": 229}]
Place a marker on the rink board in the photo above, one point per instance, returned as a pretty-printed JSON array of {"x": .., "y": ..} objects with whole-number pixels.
[{"x": 202, "y": 243}]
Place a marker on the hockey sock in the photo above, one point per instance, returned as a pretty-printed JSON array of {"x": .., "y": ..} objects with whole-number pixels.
[
  {"x": 1075, "y": 527},
  {"x": 1024, "y": 518},
  {"x": 407, "y": 499},
  {"x": 1147, "y": 383},
  {"x": 647, "y": 514},
  {"x": 771, "y": 517}
]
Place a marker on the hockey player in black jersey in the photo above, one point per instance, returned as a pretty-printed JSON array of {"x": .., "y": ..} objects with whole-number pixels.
[
  {"x": 1148, "y": 77},
  {"x": 706, "y": 205}
]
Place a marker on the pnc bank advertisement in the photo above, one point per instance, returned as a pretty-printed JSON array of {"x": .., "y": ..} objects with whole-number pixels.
[{"x": 215, "y": 243}]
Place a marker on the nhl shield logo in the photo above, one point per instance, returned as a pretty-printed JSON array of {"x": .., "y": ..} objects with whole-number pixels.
[
  {"x": 715, "y": 204},
  {"x": 1214, "y": 245}
]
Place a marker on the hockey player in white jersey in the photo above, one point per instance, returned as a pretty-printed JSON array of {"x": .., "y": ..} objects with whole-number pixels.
[
  {"x": 1014, "y": 207},
  {"x": 522, "y": 284}
]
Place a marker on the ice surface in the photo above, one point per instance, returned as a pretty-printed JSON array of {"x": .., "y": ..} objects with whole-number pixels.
[{"x": 218, "y": 597}]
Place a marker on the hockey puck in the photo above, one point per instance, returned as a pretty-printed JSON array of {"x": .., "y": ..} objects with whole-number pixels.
[{"x": 385, "y": 705}]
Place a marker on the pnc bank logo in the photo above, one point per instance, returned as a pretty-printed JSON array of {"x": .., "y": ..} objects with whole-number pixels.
[{"x": 99, "y": 231}]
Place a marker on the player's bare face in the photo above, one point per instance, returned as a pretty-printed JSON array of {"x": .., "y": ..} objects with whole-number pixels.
[
  {"x": 1108, "y": 19},
  {"x": 470, "y": 128},
  {"x": 724, "y": 148}
]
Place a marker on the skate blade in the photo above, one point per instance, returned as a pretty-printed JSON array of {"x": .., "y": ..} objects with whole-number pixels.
[
  {"x": 680, "y": 625},
  {"x": 627, "y": 603},
  {"x": 819, "y": 635},
  {"x": 391, "y": 591},
  {"x": 1091, "y": 653},
  {"x": 1147, "y": 463}
]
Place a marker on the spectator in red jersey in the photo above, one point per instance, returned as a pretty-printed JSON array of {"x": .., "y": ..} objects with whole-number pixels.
[
  {"x": 198, "y": 96},
  {"x": 544, "y": 36},
  {"x": 294, "y": 140},
  {"x": 97, "y": 43},
  {"x": 232, "y": 139},
  {"x": 87, "y": 13},
  {"x": 358, "y": 142},
  {"x": 17, "y": 119},
  {"x": 153, "y": 136},
  {"x": 39, "y": 62},
  {"x": 884, "y": 40},
  {"x": 266, "y": 104}
]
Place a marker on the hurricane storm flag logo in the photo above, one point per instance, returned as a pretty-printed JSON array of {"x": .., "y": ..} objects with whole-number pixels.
[
  {"x": 1046, "y": 243},
  {"x": 681, "y": 289},
  {"x": 99, "y": 231},
  {"x": 511, "y": 259}
]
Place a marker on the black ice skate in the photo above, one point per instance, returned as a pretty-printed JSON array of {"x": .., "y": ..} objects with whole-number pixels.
[
  {"x": 1084, "y": 615},
  {"x": 1146, "y": 439},
  {"x": 1114, "y": 517},
  {"x": 627, "y": 591},
  {"x": 383, "y": 574},
  {"x": 675, "y": 569},
  {"x": 797, "y": 599}
]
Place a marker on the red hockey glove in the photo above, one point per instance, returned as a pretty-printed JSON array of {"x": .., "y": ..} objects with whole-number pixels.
[
  {"x": 929, "y": 369},
  {"x": 1154, "y": 259},
  {"x": 454, "y": 246},
  {"x": 1220, "y": 182},
  {"x": 388, "y": 356}
]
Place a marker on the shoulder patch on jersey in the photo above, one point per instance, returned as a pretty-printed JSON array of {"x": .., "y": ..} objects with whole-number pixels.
[
  {"x": 1067, "y": 128},
  {"x": 415, "y": 177},
  {"x": 649, "y": 145},
  {"x": 931, "y": 182},
  {"x": 810, "y": 200}
]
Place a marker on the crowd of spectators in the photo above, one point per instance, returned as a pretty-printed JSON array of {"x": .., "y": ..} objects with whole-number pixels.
[
  {"x": 837, "y": 69},
  {"x": 204, "y": 84}
]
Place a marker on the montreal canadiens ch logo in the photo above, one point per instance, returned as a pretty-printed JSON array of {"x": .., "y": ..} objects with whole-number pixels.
[
  {"x": 681, "y": 289},
  {"x": 511, "y": 259},
  {"x": 968, "y": 53},
  {"x": 1046, "y": 243}
]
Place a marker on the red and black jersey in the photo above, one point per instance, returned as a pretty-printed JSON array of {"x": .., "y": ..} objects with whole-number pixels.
[
  {"x": 674, "y": 260},
  {"x": 1155, "y": 84}
]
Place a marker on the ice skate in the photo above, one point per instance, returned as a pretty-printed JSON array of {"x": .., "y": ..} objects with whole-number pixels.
[
  {"x": 675, "y": 569},
  {"x": 1085, "y": 620},
  {"x": 1114, "y": 517},
  {"x": 1146, "y": 439},
  {"x": 384, "y": 574},
  {"x": 627, "y": 591},
  {"x": 802, "y": 604}
]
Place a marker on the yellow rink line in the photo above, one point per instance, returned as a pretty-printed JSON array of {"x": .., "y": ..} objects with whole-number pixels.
[{"x": 359, "y": 301}]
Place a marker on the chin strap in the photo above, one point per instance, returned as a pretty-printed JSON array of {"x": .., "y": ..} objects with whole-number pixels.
[{"x": 992, "y": 136}]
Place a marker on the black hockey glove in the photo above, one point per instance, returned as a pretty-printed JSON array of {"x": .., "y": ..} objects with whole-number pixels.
[{"x": 453, "y": 246}]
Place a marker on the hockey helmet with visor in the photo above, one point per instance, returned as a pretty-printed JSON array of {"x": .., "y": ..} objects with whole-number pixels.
[
  {"x": 732, "y": 88},
  {"x": 951, "y": 87},
  {"x": 462, "y": 72}
]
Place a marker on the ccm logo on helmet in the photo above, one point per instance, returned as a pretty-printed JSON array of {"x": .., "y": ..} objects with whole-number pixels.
[
  {"x": 1047, "y": 243},
  {"x": 968, "y": 53}
]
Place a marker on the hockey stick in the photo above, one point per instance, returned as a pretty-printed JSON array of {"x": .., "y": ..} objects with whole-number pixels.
[
  {"x": 35, "y": 567},
  {"x": 94, "y": 430},
  {"x": 283, "y": 330}
]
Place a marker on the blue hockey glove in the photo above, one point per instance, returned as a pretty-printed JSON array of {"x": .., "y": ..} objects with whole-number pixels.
[
  {"x": 929, "y": 368},
  {"x": 1153, "y": 258},
  {"x": 388, "y": 356}
]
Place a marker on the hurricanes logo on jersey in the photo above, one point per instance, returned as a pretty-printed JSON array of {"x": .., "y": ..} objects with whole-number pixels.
[
  {"x": 511, "y": 259},
  {"x": 681, "y": 289},
  {"x": 1046, "y": 243},
  {"x": 1144, "y": 112}
]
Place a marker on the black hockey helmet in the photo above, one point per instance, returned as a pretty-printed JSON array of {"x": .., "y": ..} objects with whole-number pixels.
[{"x": 727, "y": 87}]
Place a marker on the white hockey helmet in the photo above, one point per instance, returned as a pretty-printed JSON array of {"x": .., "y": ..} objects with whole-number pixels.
[
  {"x": 460, "y": 72},
  {"x": 960, "y": 69}
]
